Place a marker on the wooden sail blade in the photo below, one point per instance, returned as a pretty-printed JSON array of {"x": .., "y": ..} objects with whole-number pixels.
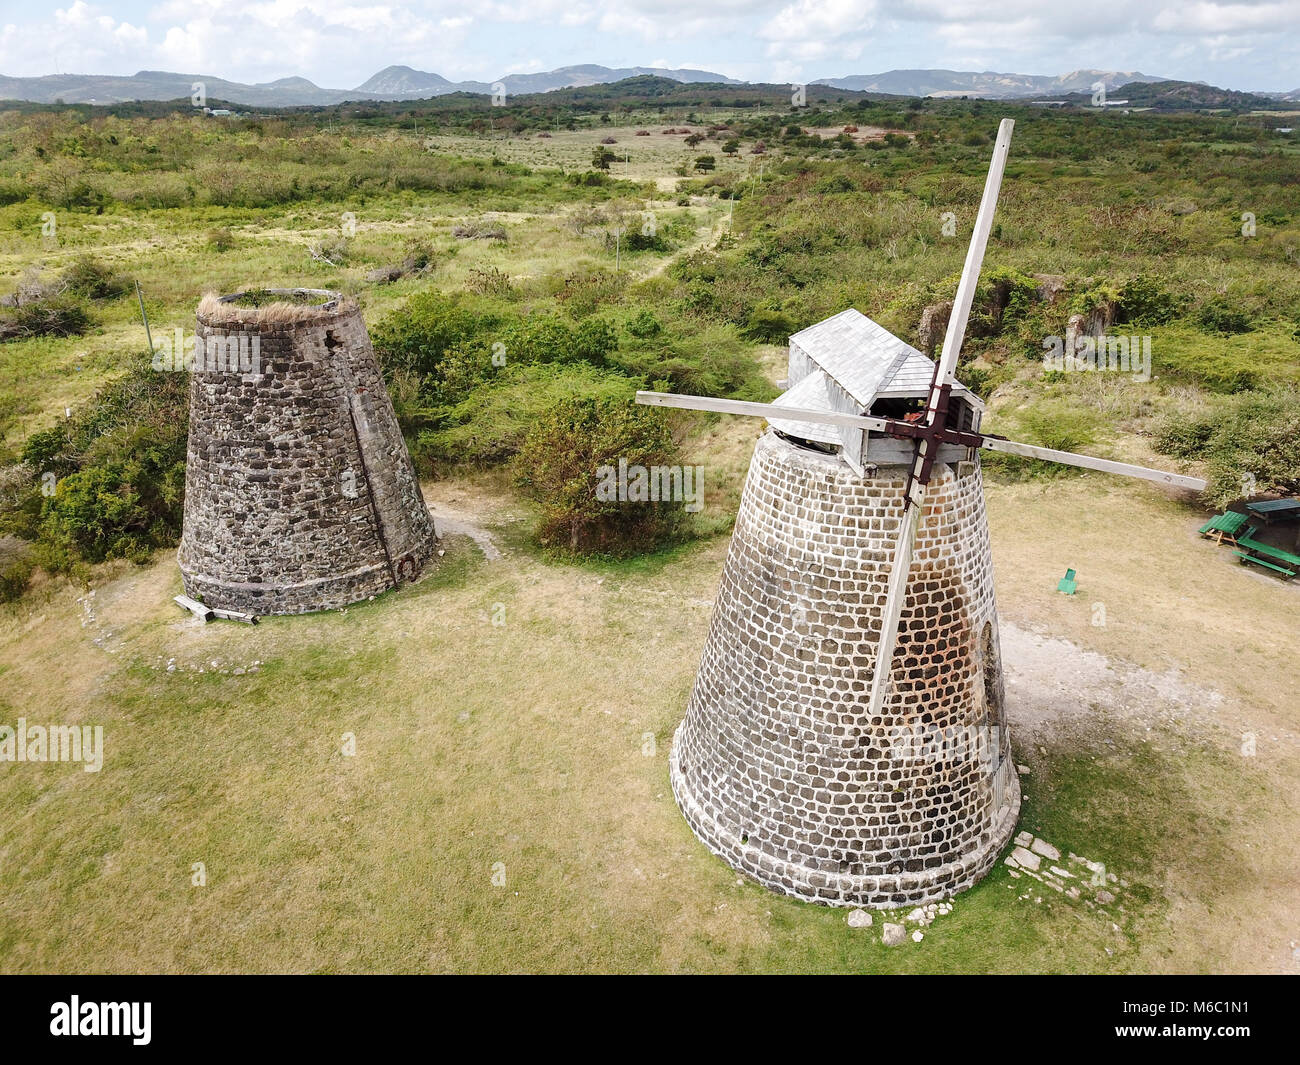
[
  {"x": 1089, "y": 462},
  {"x": 761, "y": 410},
  {"x": 970, "y": 273},
  {"x": 900, "y": 567}
]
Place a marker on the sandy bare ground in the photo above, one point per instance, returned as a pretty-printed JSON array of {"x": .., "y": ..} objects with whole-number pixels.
[{"x": 1051, "y": 681}]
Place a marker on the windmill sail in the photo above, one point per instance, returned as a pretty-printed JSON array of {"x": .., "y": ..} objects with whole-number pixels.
[{"x": 936, "y": 411}]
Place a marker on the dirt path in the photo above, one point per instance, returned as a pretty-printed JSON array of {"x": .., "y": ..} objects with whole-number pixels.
[{"x": 450, "y": 525}]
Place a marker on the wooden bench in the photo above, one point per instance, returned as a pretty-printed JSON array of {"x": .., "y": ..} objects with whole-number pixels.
[
  {"x": 1288, "y": 573},
  {"x": 1283, "y": 561}
]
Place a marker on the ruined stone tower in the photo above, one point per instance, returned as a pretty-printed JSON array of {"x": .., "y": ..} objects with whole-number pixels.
[
  {"x": 299, "y": 491},
  {"x": 779, "y": 767}
]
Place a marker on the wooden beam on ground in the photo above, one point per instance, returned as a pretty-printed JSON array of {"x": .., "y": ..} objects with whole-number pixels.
[
  {"x": 203, "y": 613},
  {"x": 235, "y": 615}
]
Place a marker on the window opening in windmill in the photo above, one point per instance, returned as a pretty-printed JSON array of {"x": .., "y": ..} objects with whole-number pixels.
[{"x": 994, "y": 709}]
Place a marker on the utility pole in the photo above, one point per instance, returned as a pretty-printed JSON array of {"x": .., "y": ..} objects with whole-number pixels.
[{"x": 140, "y": 296}]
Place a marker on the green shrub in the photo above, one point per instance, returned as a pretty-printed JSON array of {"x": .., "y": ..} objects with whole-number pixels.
[
  {"x": 1250, "y": 444},
  {"x": 93, "y": 280},
  {"x": 560, "y": 466},
  {"x": 221, "y": 239},
  {"x": 61, "y": 315},
  {"x": 1143, "y": 301},
  {"x": 835, "y": 183},
  {"x": 120, "y": 468},
  {"x": 1224, "y": 316},
  {"x": 767, "y": 326},
  {"x": 643, "y": 324},
  {"x": 415, "y": 338},
  {"x": 16, "y": 566},
  {"x": 488, "y": 426},
  {"x": 1058, "y": 425}
]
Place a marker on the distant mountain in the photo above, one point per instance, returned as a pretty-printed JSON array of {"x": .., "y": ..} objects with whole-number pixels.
[
  {"x": 988, "y": 84},
  {"x": 403, "y": 81},
  {"x": 391, "y": 83},
  {"x": 165, "y": 85},
  {"x": 569, "y": 77},
  {"x": 1183, "y": 96}
]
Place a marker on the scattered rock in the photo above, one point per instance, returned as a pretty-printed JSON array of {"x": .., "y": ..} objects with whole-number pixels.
[
  {"x": 859, "y": 919},
  {"x": 1046, "y": 850},
  {"x": 1105, "y": 897},
  {"x": 1026, "y": 859},
  {"x": 1024, "y": 839},
  {"x": 893, "y": 934},
  {"x": 917, "y": 936}
]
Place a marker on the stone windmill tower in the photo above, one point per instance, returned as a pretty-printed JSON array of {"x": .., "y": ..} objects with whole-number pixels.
[
  {"x": 861, "y": 540},
  {"x": 299, "y": 491}
]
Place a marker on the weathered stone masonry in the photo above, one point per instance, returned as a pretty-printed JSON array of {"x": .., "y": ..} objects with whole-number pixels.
[
  {"x": 299, "y": 492},
  {"x": 776, "y": 765}
]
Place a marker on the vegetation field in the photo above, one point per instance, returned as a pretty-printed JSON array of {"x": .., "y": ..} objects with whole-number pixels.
[{"x": 471, "y": 774}]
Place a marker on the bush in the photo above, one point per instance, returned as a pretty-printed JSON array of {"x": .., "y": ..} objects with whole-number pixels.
[
  {"x": 835, "y": 183},
  {"x": 89, "y": 278},
  {"x": 1222, "y": 316},
  {"x": 15, "y": 568},
  {"x": 60, "y": 315},
  {"x": 1142, "y": 301},
  {"x": 767, "y": 326},
  {"x": 415, "y": 338},
  {"x": 221, "y": 239},
  {"x": 643, "y": 324},
  {"x": 119, "y": 464},
  {"x": 489, "y": 424},
  {"x": 561, "y": 466},
  {"x": 1251, "y": 440}
]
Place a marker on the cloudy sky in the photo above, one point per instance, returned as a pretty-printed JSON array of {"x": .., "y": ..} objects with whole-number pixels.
[{"x": 1240, "y": 44}]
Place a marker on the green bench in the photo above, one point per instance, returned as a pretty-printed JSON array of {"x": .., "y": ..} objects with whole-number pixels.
[{"x": 1283, "y": 562}]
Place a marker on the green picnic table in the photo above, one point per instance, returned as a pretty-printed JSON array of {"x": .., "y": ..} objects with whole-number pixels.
[
  {"x": 1224, "y": 526},
  {"x": 1271, "y": 510}
]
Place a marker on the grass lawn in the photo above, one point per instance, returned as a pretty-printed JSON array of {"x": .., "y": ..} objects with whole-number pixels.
[{"x": 537, "y": 750}]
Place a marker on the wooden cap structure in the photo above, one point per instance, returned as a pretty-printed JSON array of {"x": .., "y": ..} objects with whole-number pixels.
[{"x": 300, "y": 494}]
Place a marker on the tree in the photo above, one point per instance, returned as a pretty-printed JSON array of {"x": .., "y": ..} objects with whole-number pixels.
[
  {"x": 694, "y": 139},
  {"x": 732, "y": 146},
  {"x": 573, "y": 455},
  {"x": 602, "y": 157},
  {"x": 705, "y": 163}
]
